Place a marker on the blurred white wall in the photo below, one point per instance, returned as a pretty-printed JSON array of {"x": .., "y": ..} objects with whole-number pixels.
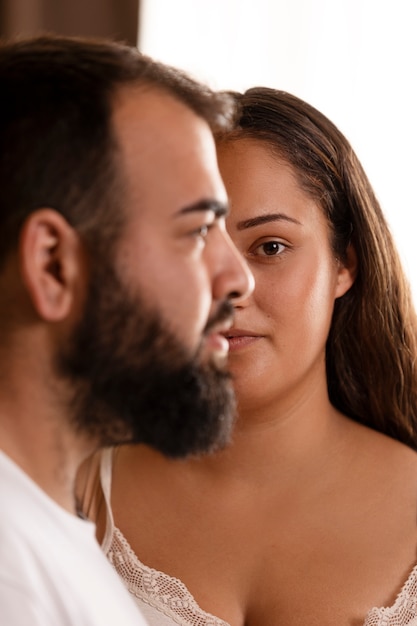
[{"x": 355, "y": 60}]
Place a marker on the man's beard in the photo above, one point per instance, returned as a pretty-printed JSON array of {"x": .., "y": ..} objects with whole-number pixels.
[{"x": 134, "y": 382}]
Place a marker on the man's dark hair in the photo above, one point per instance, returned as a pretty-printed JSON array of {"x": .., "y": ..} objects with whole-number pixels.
[{"x": 57, "y": 146}]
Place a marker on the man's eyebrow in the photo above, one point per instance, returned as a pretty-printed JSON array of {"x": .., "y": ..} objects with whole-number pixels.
[
  {"x": 220, "y": 209},
  {"x": 265, "y": 219}
]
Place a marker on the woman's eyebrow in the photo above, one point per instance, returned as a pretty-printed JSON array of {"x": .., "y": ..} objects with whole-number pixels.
[{"x": 264, "y": 219}]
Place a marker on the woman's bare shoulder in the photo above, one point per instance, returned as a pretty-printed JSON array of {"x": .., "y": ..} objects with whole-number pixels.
[{"x": 390, "y": 463}]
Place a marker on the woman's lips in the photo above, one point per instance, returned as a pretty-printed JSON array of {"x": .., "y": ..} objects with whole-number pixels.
[{"x": 239, "y": 339}]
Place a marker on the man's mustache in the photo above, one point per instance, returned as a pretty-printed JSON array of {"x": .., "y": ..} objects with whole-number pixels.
[{"x": 224, "y": 312}]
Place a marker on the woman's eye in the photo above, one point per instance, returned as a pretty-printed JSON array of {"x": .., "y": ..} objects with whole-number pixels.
[{"x": 269, "y": 248}]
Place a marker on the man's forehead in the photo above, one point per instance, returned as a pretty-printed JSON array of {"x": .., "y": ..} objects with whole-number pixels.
[
  {"x": 147, "y": 100},
  {"x": 150, "y": 121},
  {"x": 168, "y": 154}
]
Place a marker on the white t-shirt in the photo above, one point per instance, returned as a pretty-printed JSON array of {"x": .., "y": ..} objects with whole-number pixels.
[{"x": 52, "y": 571}]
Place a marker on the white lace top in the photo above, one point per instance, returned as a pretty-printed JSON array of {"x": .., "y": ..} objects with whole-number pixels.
[{"x": 166, "y": 601}]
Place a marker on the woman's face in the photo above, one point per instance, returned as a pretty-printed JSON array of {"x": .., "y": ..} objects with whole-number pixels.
[{"x": 277, "y": 344}]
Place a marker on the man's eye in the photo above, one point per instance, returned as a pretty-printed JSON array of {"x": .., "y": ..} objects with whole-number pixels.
[
  {"x": 269, "y": 248},
  {"x": 202, "y": 231}
]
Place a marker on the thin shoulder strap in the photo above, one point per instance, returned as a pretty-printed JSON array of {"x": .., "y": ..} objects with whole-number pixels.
[{"x": 106, "y": 462}]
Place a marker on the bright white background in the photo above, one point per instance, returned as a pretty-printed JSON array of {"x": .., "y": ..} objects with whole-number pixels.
[{"x": 355, "y": 60}]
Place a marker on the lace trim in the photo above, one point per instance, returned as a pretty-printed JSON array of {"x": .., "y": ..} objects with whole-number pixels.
[
  {"x": 171, "y": 597},
  {"x": 404, "y": 610},
  {"x": 165, "y": 593}
]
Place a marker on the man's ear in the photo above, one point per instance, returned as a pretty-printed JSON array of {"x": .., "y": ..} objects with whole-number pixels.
[
  {"x": 51, "y": 260},
  {"x": 347, "y": 272}
]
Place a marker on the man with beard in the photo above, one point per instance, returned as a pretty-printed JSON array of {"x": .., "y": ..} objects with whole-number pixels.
[{"x": 116, "y": 277}]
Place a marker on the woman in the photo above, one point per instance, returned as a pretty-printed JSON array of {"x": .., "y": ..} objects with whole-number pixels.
[{"x": 310, "y": 515}]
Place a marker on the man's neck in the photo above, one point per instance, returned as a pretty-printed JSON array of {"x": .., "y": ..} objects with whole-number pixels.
[{"x": 44, "y": 446}]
